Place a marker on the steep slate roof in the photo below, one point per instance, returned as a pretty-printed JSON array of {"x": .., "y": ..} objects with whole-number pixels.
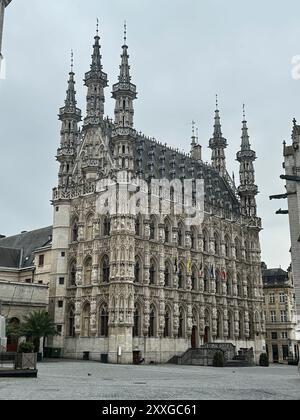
[
  {"x": 275, "y": 277},
  {"x": 10, "y": 258},
  {"x": 151, "y": 157},
  {"x": 18, "y": 251}
]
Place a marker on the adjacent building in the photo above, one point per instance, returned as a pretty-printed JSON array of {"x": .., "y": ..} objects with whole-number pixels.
[
  {"x": 280, "y": 314},
  {"x": 25, "y": 265},
  {"x": 292, "y": 175}
]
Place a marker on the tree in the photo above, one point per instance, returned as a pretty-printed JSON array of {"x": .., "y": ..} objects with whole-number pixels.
[{"x": 37, "y": 325}]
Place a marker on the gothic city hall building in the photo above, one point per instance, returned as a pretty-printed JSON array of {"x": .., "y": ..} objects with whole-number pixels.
[{"x": 134, "y": 278}]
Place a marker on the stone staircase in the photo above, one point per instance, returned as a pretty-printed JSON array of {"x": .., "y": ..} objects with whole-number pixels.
[{"x": 204, "y": 356}]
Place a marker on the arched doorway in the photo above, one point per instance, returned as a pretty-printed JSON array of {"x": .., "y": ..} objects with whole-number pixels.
[
  {"x": 206, "y": 335},
  {"x": 194, "y": 340}
]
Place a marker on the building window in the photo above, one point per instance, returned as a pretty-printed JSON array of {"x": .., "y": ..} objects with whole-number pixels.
[
  {"x": 152, "y": 229},
  {"x": 167, "y": 276},
  {"x": 104, "y": 322},
  {"x": 41, "y": 260},
  {"x": 180, "y": 236},
  {"x": 105, "y": 269},
  {"x": 75, "y": 232},
  {"x": 152, "y": 273},
  {"x": 59, "y": 329},
  {"x": 273, "y": 316},
  {"x": 137, "y": 271},
  {"x": 63, "y": 254},
  {"x": 167, "y": 234},
  {"x": 274, "y": 335},
  {"x": 167, "y": 331},
  {"x": 88, "y": 271},
  {"x": 272, "y": 298},
  {"x": 106, "y": 226},
  {"x": 57, "y": 209},
  {"x": 180, "y": 277},
  {"x": 285, "y": 352},
  {"x": 283, "y": 316},
  {"x": 181, "y": 325},
  {"x": 28, "y": 281},
  {"x": 152, "y": 323},
  {"x": 205, "y": 241},
  {"x": 284, "y": 335},
  {"x": 60, "y": 303},
  {"x": 282, "y": 297},
  {"x": 194, "y": 279},
  {"x": 206, "y": 280},
  {"x": 71, "y": 330},
  {"x": 61, "y": 281},
  {"x": 72, "y": 280},
  {"x": 138, "y": 227},
  {"x": 136, "y": 326}
]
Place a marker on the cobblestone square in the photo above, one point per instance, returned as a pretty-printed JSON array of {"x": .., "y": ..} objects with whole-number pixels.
[{"x": 71, "y": 380}]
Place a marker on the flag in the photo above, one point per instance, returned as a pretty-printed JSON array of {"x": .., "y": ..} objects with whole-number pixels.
[{"x": 224, "y": 275}]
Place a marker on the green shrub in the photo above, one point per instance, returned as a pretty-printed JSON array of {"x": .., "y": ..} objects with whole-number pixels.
[
  {"x": 264, "y": 360},
  {"x": 25, "y": 348},
  {"x": 219, "y": 360}
]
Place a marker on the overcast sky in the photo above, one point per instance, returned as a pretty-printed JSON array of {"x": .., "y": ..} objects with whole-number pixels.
[{"x": 182, "y": 52}]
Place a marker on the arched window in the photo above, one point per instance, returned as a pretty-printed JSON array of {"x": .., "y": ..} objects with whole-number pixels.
[
  {"x": 138, "y": 226},
  {"x": 227, "y": 246},
  {"x": 105, "y": 269},
  {"x": 239, "y": 286},
  {"x": 106, "y": 226},
  {"x": 137, "y": 322},
  {"x": 181, "y": 331},
  {"x": 206, "y": 280},
  {"x": 167, "y": 275},
  {"x": 193, "y": 239},
  {"x": 218, "y": 283},
  {"x": 152, "y": 229},
  {"x": 249, "y": 288},
  {"x": 241, "y": 326},
  {"x": 88, "y": 271},
  {"x": 230, "y": 325},
  {"x": 71, "y": 323},
  {"x": 219, "y": 325},
  {"x": 194, "y": 278},
  {"x": 75, "y": 231},
  {"x": 152, "y": 272},
  {"x": 238, "y": 249},
  {"x": 72, "y": 274},
  {"x": 152, "y": 326},
  {"x": 89, "y": 228},
  {"x": 229, "y": 284},
  {"x": 167, "y": 232},
  {"x": 205, "y": 241},
  {"x": 217, "y": 244},
  {"x": 181, "y": 277},
  {"x": 181, "y": 235},
  {"x": 104, "y": 321},
  {"x": 137, "y": 271},
  {"x": 86, "y": 316},
  {"x": 167, "y": 331}
]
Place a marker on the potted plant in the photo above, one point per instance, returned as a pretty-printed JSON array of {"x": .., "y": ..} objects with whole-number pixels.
[
  {"x": 38, "y": 325},
  {"x": 26, "y": 359}
]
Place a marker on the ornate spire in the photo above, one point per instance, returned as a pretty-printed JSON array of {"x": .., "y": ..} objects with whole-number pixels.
[
  {"x": 245, "y": 135},
  {"x": 124, "y": 92},
  {"x": 193, "y": 134},
  {"x": 70, "y": 116},
  {"x": 196, "y": 149},
  {"x": 246, "y": 157},
  {"x": 218, "y": 143},
  {"x": 96, "y": 81}
]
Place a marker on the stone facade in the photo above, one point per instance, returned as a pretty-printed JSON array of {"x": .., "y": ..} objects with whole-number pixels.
[
  {"x": 280, "y": 310},
  {"x": 146, "y": 283},
  {"x": 292, "y": 169}
]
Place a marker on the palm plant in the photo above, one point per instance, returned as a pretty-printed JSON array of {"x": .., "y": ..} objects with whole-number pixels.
[{"x": 37, "y": 325}]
